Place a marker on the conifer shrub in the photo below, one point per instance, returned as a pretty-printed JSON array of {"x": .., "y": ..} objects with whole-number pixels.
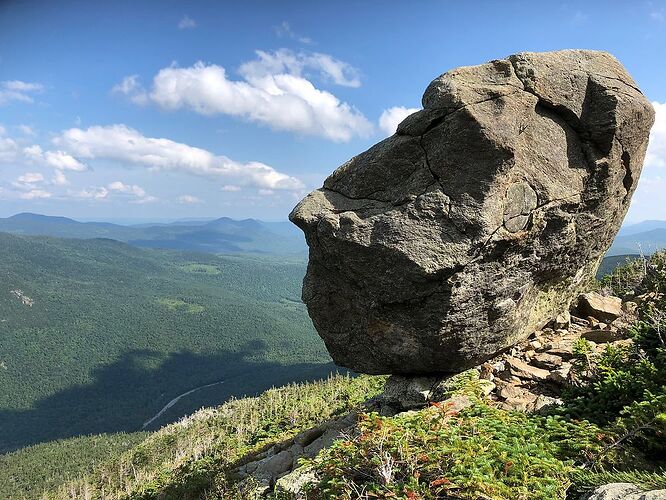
[{"x": 480, "y": 452}]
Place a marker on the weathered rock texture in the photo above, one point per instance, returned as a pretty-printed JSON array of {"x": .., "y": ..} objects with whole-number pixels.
[{"x": 480, "y": 219}]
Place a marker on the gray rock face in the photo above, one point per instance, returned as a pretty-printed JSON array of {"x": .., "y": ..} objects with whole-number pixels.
[
  {"x": 625, "y": 491},
  {"x": 480, "y": 219}
]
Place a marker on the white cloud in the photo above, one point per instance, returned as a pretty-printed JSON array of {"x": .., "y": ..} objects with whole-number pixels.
[
  {"x": 16, "y": 90},
  {"x": 188, "y": 199},
  {"x": 391, "y": 118},
  {"x": 127, "y": 189},
  {"x": 656, "y": 153},
  {"x": 59, "y": 160},
  {"x": 230, "y": 188},
  {"x": 8, "y": 149},
  {"x": 186, "y": 23},
  {"x": 123, "y": 144},
  {"x": 283, "y": 30},
  {"x": 62, "y": 161},
  {"x": 100, "y": 193},
  {"x": 26, "y": 130},
  {"x": 59, "y": 178},
  {"x": 31, "y": 178},
  {"x": 285, "y": 61},
  {"x": 266, "y": 192},
  {"x": 35, "y": 194},
  {"x": 132, "y": 88},
  {"x": 134, "y": 193},
  {"x": 273, "y": 92}
]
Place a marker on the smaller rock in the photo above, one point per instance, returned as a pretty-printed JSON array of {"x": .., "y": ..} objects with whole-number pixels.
[
  {"x": 524, "y": 371},
  {"x": 510, "y": 391},
  {"x": 546, "y": 361},
  {"x": 409, "y": 392},
  {"x": 562, "y": 375},
  {"x": 579, "y": 321},
  {"x": 562, "y": 321},
  {"x": 543, "y": 401},
  {"x": 486, "y": 372},
  {"x": 602, "y": 336},
  {"x": 291, "y": 486},
  {"x": 604, "y": 308},
  {"x": 564, "y": 351}
]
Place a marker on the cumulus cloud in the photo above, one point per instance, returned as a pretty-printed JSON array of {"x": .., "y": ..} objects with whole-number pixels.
[
  {"x": 31, "y": 178},
  {"x": 99, "y": 193},
  {"x": 58, "y": 160},
  {"x": 186, "y": 23},
  {"x": 230, "y": 188},
  {"x": 286, "y": 61},
  {"x": 16, "y": 90},
  {"x": 123, "y": 144},
  {"x": 656, "y": 153},
  {"x": 127, "y": 189},
  {"x": 274, "y": 91},
  {"x": 188, "y": 199},
  {"x": 135, "y": 194},
  {"x": 35, "y": 194},
  {"x": 391, "y": 118}
]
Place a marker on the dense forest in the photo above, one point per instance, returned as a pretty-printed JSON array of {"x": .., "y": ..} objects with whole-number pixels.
[{"x": 98, "y": 336}]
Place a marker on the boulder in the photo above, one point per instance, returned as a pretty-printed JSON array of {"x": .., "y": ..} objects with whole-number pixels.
[
  {"x": 480, "y": 219},
  {"x": 602, "y": 308}
]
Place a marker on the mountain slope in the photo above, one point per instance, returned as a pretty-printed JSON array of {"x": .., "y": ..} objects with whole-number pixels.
[
  {"x": 222, "y": 235},
  {"x": 209, "y": 440},
  {"x": 98, "y": 336}
]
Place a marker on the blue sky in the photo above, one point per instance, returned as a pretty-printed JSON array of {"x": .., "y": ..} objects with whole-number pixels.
[{"x": 154, "y": 110}]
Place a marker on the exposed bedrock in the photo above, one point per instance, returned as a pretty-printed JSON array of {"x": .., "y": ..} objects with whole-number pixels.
[{"x": 481, "y": 219}]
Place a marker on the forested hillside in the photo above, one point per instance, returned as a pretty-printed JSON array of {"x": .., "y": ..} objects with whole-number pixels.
[{"x": 98, "y": 336}]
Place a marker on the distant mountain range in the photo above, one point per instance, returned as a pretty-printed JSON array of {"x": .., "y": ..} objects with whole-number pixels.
[
  {"x": 225, "y": 235},
  {"x": 643, "y": 238},
  {"x": 222, "y": 235}
]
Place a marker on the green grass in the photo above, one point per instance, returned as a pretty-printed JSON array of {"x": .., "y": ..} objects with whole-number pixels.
[{"x": 116, "y": 332}]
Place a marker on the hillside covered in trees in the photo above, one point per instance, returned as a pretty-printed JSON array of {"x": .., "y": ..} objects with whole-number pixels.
[{"x": 98, "y": 336}]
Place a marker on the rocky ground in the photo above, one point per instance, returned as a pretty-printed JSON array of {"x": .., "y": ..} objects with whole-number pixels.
[
  {"x": 530, "y": 378},
  {"x": 532, "y": 375}
]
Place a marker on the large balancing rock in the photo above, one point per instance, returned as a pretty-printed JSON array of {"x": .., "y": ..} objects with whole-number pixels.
[{"x": 480, "y": 219}]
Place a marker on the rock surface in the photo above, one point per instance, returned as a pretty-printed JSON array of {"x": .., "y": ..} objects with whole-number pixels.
[
  {"x": 480, "y": 219},
  {"x": 625, "y": 491},
  {"x": 606, "y": 309}
]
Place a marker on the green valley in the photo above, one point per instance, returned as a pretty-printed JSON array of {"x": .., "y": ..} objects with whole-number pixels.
[{"x": 98, "y": 336}]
